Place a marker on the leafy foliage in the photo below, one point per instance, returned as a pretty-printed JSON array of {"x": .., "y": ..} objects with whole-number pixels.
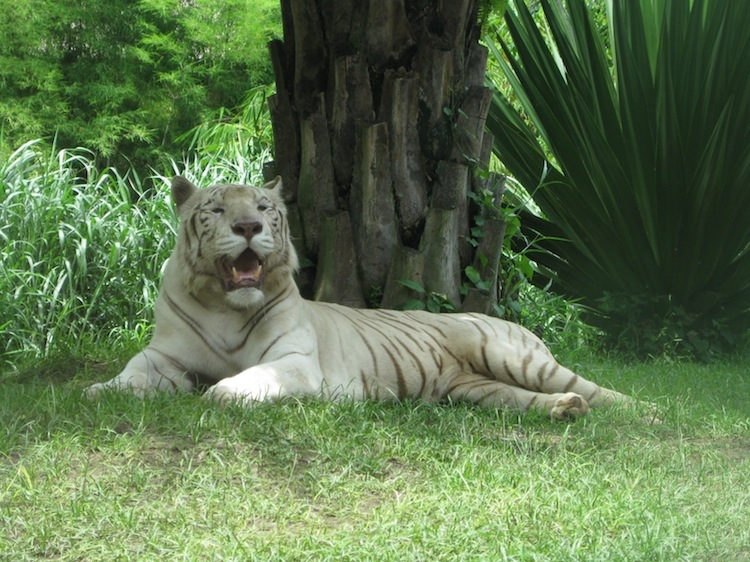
[
  {"x": 247, "y": 129},
  {"x": 644, "y": 192},
  {"x": 430, "y": 301},
  {"x": 126, "y": 78}
]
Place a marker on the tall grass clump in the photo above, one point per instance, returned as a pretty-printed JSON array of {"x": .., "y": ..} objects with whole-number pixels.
[
  {"x": 231, "y": 147},
  {"x": 82, "y": 249}
]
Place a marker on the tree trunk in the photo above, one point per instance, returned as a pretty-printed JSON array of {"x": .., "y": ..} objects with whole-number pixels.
[{"x": 379, "y": 123}]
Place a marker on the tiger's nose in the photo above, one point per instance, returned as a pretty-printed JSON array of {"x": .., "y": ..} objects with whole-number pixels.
[{"x": 247, "y": 229}]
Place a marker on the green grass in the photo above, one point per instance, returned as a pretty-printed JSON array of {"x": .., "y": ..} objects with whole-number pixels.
[
  {"x": 179, "y": 478},
  {"x": 80, "y": 248}
]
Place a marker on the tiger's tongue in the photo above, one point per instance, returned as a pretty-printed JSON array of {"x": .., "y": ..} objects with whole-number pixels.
[{"x": 246, "y": 268}]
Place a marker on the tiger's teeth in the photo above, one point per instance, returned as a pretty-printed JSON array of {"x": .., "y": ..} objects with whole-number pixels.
[
  {"x": 259, "y": 270},
  {"x": 235, "y": 275}
]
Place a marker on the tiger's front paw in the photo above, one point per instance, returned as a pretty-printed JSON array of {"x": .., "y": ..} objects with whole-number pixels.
[
  {"x": 569, "y": 406},
  {"x": 240, "y": 390},
  {"x": 223, "y": 394},
  {"x": 97, "y": 390},
  {"x": 94, "y": 391},
  {"x": 262, "y": 383}
]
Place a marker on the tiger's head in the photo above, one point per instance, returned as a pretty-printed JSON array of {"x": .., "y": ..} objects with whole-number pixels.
[{"x": 233, "y": 242}]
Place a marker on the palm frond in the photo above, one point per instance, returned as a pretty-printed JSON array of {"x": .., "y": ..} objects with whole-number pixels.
[{"x": 650, "y": 148}]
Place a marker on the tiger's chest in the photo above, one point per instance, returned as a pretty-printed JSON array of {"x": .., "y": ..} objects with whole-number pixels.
[{"x": 222, "y": 343}]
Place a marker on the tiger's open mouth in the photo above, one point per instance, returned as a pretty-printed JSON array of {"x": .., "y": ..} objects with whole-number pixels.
[{"x": 245, "y": 271}]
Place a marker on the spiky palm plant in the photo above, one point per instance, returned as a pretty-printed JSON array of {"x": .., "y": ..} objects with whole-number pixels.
[{"x": 644, "y": 183}]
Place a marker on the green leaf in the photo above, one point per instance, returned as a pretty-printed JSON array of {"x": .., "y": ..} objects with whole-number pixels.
[
  {"x": 414, "y": 305},
  {"x": 413, "y": 285},
  {"x": 473, "y": 275}
]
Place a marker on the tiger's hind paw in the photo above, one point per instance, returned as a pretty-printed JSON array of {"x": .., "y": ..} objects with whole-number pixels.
[{"x": 568, "y": 407}]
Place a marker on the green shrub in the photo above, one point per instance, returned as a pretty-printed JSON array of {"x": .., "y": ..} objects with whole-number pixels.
[{"x": 126, "y": 78}]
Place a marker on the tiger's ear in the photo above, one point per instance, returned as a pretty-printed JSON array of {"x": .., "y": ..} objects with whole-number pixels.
[
  {"x": 182, "y": 190},
  {"x": 276, "y": 186}
]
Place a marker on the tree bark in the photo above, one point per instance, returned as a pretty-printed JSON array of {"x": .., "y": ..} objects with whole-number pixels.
[
  {"x": 442, "y": 268},
  {"x": 371, "y": 203},
  {"x": 337, "y": 279},
  {"x": 399, "y": 106},
  {"x": 378, "y": 124},
  {"x": 315, "y": 188},
  {"x": 406, "y": 264}
]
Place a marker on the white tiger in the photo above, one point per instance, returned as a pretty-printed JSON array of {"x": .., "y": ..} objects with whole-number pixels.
[{"x": 230, "y": 311}]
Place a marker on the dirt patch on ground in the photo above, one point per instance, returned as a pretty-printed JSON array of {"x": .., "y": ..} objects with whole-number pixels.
[{"x": 732, "y": 448}]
